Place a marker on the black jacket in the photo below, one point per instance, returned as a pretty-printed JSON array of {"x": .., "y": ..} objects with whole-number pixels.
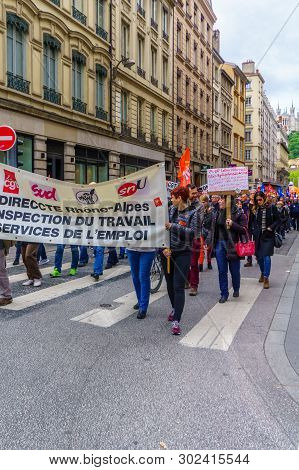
[
  {"x": 220, "y": 230},
  {"x": 264, "y": 240},
  {"x": 183, "y": 229}
]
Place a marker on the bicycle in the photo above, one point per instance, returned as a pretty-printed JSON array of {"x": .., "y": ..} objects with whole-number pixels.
[{"x": 156, "y": 275}]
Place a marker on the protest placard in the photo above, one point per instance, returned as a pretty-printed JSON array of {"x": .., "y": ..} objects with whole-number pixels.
[
  {"x": 129, "y": 211},
  {"x": 227, "y": 179}
]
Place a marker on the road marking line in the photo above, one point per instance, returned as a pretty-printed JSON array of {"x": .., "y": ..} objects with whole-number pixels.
[
  {"x": 221, "y": 324},
  {"x": 105, "y": 318},
  {"x": 23, "y": 276},
  {"x": 38, "y": 296}
]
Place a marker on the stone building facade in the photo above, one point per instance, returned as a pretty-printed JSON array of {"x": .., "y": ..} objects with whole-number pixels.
[
  {"x": 193, "y": 30},
  {"x": 227, "y": 84},
  {"x": 217, "y": 104},
  {"x": 282, "y": 164}
]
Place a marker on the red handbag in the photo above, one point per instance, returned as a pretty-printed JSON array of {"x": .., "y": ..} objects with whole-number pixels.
[{"x": 246, "y": 248}]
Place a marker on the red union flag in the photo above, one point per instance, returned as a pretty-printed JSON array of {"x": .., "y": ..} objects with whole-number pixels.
[
  {"x": 184, "y": 168},
  {"x": 10, "y": 183}
]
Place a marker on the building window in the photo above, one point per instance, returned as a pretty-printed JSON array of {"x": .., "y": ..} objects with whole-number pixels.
[
  {"x": 248, "y": 119},
  {"x": 248, "y": 85},
  {"x": 202, "y": 62},
  {"x": 165, "y": 74},
  {"x": 79, "y": 62},
  {"x": 187, "y": 46},
  {"x": 140, "y": 132},
  {"x": 17, "y": 30},
  {"x": 247, "y": 154},
  {"x": 154, "y": 10},
  {"x": 100, "y": 19},
  {"x": 236, "y": 147},
  {"x": 164, "y": 127},
  {"x": 242, "y": 149},
  {"x": 248, "y": 101},
  {"x": 140, "y": 52},
  {"x": 179, "y": 37},
  {"x": 195, "y": 16},
  {"x": 124, "y": 107},
  {"x": 188, "y": 92},
  {"x": 129, "y": 165},
  {"x": 187, "y": 134},
  {"x": 154, "y": 62},
  {"x": 248, "y": 136},
  {"x": 153, "y": 120},
  {"x": 125, "y": 38},
  {"x": 165, "y": 22},
  {"x": 195, "y": 139},
  {"x": 101, "y": 77},
  {"x": 78, "y": 11},
  {"x": 51, "y": 50},
  {"x": 91, "y": 165},
  {"x": 195, "y": 54}
]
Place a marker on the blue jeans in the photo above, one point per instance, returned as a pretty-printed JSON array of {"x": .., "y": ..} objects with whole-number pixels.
[
  {"x": 141, "y": 263},
  {"x": 122, "y": 252},
  {"x": 41, "y": 254},
  {"x": 59, "y": 256},
  {"x": 112, "y": 257},
  {"x": 98, "y": 260},
  {"x": 265, "y": 265},
  {"x": 223, "y": 265},
  {"x": 84, "y": 255}
]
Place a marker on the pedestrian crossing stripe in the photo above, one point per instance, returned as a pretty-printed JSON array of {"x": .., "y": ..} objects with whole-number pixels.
[{"x": 36, "y": 297}]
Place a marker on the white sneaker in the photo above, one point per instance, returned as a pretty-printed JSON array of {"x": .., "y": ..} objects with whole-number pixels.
[
  {"x": 37, "y": 283},
  {"x": 44, "y": 261},
  {"x": 28, "y": 283}
]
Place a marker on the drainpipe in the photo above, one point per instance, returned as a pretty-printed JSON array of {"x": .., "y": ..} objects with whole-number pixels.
[{"x": 111, "y": 68}]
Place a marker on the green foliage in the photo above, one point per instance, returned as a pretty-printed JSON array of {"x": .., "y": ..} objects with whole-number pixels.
[
  {"x": 294, "y": 177},
  {"x": 294, "y": 145}
]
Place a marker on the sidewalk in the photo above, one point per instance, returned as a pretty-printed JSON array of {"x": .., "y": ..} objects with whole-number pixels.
[{"x": 282, "y": 345}]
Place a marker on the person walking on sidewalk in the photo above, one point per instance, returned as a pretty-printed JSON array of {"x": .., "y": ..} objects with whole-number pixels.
[
  {"x": 225, "y": 234},
  {"x": 206, "y": 233},
  {"x": 183, "y": 227},
  {"x": 29, "y": 255},
  {"x": 195, "y": 204},
  {"x": 5, "y": 290},
  {"x": 247, "y": 205},
  {"x": 266, "y": 221},
  {"x": 284, "y": 216},
  {"x": 141, "y": 260},
  {"x": 58, "y": 260},
  {"x": 294, "y": 212}
]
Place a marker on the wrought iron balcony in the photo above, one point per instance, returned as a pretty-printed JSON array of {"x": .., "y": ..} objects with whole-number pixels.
[
  {"x": 56, "y": 2},
  {"x": 179, "y": 51},
  {"x": 140, "y": 10},
  {"x": 78, "y": 105},
  {"x": 179, "y": 100},
  {"x": 195, "y": 154},
  {"x": 154, "y": 24},
  {"x": 52, "y": 95},
  {"x": 154, "y": 81},
  {"x": 101, "y": 32},
  {"x": 141, "y": 72},
  {"x": 140, "y": 134},
  {"x": 125, "y": 129},
  {"x": 165, "y": 36},
  {"x": 17, "y": 83},
  {"x": 195, "y": 110},
  {"x": 78, "y": 15},
  {"x": 101, "y": 114},
  {"x": 154, "y": 138},
  {"x": 165, "y": 89},
  {"x": 165, "y": 143}
]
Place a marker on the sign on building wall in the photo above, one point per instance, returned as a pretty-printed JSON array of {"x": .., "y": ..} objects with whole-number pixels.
[
  {"x": 227, "y": 179},
  {"x": 129, "y": 211}
]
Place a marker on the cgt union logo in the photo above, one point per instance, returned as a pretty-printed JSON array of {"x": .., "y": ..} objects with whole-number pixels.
[
  {"x": 44, "y": 192},
  {"x": 87, "y": 196},
  {"x": 128, "y": 189},
  {"x": 10, "y": 184}
]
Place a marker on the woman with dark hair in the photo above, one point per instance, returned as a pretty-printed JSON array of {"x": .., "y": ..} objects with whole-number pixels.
[
  {"x": 182, "y": 226},
  {"x": 226, "y": 232},
  {"x": 266, "y": 221}
]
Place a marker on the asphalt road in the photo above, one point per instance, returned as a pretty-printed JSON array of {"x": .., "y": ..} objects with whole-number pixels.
[{"x": 67, "y": 384}]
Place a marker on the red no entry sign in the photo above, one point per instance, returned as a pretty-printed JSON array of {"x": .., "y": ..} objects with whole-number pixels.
[{"x": 7, "y": 138}]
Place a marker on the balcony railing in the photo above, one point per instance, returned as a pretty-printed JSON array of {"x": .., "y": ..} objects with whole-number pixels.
[
  {"x": 188, "y": 107},
  {"x": 101, "y": 32},
  {"x": 179, "y": 100},
  {"x": 154, "y": 138},
  {"x": 154, "y": 81},
  {"x": 165, "y": 89},
  {"x": 78, "y": 15},
  {"x": 79, "y": 106},
  {"x": 188, "y": 16},
  {"x": 154, "y": 24},
  {"x": 52, "y": 95},
  {"x": 141, "y": 72},
  {"x": 56, "y": 2},
  {"x": 17, "y": 83},
  {"x": 140, "y": 10},
  {"x": 125, "y": 129},
  {"x": 195, "y": 154},
  {"x": 165, "y": 36},
  {"x": 101, "y": 114},
  {"x": 140, "y": 134},
  {"x": 179, "y": 51},
  {"x": 195, "y": 110}
]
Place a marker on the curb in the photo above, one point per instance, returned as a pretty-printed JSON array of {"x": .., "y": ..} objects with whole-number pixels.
[{"x": 275, "y": 340}]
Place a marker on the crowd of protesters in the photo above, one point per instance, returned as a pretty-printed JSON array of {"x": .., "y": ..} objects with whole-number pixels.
[{"x": 200, "y": 226}]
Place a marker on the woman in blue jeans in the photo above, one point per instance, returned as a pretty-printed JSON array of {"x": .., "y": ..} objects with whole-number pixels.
[
  {"x": 141, "y": 260},
  {"x": 266, "y": 221}
]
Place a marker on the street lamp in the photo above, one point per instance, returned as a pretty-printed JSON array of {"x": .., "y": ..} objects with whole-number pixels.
[{"x": 128, "y": 63}]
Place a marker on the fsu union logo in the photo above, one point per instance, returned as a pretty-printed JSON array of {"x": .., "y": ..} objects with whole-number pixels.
[
  {"x": 128, "y": 189},
  {"x": 44, "y": 192},
  {"x": 10, "y": 184},
  {"x": 86, "y": 196}
]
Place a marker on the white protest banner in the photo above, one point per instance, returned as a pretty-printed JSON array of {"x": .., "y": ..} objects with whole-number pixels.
[
  {"x": 129, "y": 211},
  {"x": 227, "y": 179}
]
